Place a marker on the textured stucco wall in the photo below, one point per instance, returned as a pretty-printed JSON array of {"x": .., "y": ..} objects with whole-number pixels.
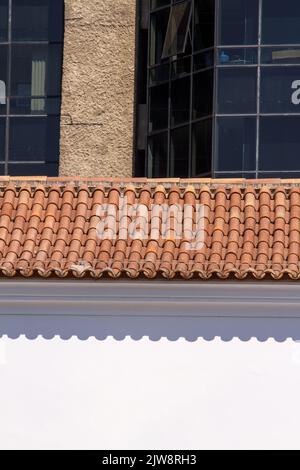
[{"x": 98, "y": 88}]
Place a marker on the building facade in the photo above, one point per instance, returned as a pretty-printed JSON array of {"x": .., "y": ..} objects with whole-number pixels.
[{"x": 155, "y": 88}]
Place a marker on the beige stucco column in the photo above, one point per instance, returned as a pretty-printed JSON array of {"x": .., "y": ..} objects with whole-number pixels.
[{"x": 98, "y": 88}]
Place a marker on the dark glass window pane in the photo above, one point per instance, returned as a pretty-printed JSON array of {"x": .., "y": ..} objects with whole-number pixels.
[
  {"x": 3, "y": 19},
  {"x": 37, "y": 20},
  {"x": 201, "y": 148},
  {"x": 179, "y": 158},
  {"x": 236, "y": 144},
  {"x": 235, "y": 175},
  {"x": 158, "y": 28},
  {"x": 280, "y": 174},
  {"x": 279, "y": 146},
  {"x": 159, "y": 105},
  {"x": 181, "y": 67},
  {"x": 2, "y": 138},
  {"x": 159, "y": 74},
  {"x": 238, "y": 20},
  {"x": 36, "y": 70},
  {"x": 34, "y": 139},
  {"x": 159, "y": 3},
  {"x": 177, "y": 30},
  {"x": 3, "y": 78},
  {"x": 204, "y": 60},
  {"x": 237, "y": 90},
  {"x": 158, "y": 156},
  {"x": 280, "y": 55},
  {"x": 36, "y": 169},
  {"x": 280, "y": 90},
  {"x": 203, "y": 94},
  {"x": 237, "y": 56},
  {"x": 204, "y": 29},
  {"x": 180, "y": 101},
  {"x": 280, "y": 22},
  {"x": 20, "y": 106}
]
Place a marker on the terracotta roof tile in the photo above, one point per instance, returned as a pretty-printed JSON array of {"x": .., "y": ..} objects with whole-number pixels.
[{"x": 50, "y": 226}]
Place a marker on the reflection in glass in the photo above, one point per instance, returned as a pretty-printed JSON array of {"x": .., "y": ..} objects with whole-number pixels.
[
  {"x": 237, "y": 56},
  {"x": 280, "y": 90},
  {"x": 237, "y": 89},
  {"x": 280, "y": 22},
  {"x": 236, "y": 144},
  {"x": 279, "y": 145},
  {"x": 238, "y": 22},
  {"x": 201, "y": 148},
  {"x": 159, "y": 107},
  {"x": 158, "y": 28},
  {"x": 280, "y": 55},
  {"x": 179, "y": 158},
  {"x": 180, "y": 101},
  {"x": 158, "y": 156},
  {"x": 36, "y": 70},
  {"x": 177, "y": 30},
  {"x": 21, "y": 106},
  {"x": 204, "y": 24}
]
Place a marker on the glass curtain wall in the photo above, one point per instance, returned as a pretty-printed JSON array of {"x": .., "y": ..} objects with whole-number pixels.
[
  {"x": 31, "y": 36},
  {"x": 257, "y": 108},
  {"x": 223, "y": 88},
  {"x": 180, "y": 88}
]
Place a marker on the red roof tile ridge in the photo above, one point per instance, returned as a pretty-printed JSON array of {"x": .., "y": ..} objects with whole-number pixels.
[{"x": 152, "y": 183}]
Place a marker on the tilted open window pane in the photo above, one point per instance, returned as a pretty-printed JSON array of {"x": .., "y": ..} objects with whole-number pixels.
[{"x": 177, "y": 31}]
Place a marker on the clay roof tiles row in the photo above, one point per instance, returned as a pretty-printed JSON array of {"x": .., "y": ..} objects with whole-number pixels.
[{"x": 249, "y": 228}]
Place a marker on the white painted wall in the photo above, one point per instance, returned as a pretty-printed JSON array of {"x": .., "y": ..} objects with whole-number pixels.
[{"x": 152, "y": 395}]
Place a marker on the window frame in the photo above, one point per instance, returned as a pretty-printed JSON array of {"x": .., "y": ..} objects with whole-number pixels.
[{"x": 45, "y": 106}]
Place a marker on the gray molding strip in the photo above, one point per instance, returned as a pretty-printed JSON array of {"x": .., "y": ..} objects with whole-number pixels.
[{"x": 156, "y": 309}]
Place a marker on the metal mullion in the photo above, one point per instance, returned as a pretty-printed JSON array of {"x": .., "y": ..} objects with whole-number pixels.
[
  {"x": 147, "y": 94},
  {"x": 214, "y": 142},
  {"x": 190, "y": 155},
  {"x": 8, "y": 88},
  {"x": 258, "y": 87},
  {"x": 169, "y": 122}
]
